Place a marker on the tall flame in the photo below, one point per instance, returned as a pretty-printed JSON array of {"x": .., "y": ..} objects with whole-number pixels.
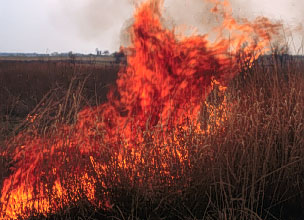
[{"x": 164, "y": 85}]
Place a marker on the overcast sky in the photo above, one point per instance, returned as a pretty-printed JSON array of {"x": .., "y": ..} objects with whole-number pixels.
[{"x": 83, "y": 25}]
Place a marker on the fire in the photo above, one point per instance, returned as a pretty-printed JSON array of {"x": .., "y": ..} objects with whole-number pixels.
[{"x": 162, "y": 89}]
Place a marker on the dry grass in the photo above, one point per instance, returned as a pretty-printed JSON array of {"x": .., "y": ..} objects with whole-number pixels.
[
  {"x": 251, "y": 169},
  {"x": 28, "y": 87}
]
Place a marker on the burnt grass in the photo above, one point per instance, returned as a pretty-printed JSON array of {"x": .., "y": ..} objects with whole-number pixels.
[{"x": 252, "y": 169}]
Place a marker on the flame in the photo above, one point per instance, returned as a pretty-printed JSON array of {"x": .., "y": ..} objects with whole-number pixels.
[
  {"x": 31, "y": 118},
  {"x": 162, "y": 89}
]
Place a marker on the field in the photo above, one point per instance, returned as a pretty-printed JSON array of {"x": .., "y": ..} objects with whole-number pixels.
[
  {"x": 78, "y": 59},
  {"x": 184, "y": 128},
  {"x": 25, "y": 85},
  {"x": 253, "y": 169}
]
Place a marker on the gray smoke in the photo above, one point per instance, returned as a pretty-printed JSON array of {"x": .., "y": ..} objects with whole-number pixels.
[
  {"x": 95, "y": 20},
  {"x": 109, "y": 20}
]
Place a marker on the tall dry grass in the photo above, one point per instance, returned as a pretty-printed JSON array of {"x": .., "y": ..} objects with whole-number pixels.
[
  {"x": 26, "y": 87},
  {"x": 252, "y": 168}
]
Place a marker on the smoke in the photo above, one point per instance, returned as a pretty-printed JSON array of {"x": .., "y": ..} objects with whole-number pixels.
[
  {"x": 107, "y": 21},
  {"x": 186, "y": 16},
  {"x": 98, "y": 21},
  {"x": 197, "y": 13}
]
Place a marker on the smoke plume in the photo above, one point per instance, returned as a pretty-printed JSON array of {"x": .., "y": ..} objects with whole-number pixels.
[{"x": 109, "y": 20}]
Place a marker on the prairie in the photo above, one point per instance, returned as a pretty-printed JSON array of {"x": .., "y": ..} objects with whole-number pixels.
[{"x": 251, "y": 168}]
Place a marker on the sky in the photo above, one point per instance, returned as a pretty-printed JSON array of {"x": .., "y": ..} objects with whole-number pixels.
[{"x": 47, "y": 26}]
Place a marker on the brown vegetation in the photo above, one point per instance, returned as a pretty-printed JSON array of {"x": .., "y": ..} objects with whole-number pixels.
[
  {"x": 252, "y": 169},
  {"x": 25, "y": 86}
]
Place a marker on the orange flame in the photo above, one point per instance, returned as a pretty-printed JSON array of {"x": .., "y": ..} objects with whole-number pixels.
[{"x": 163, "y": 86}]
